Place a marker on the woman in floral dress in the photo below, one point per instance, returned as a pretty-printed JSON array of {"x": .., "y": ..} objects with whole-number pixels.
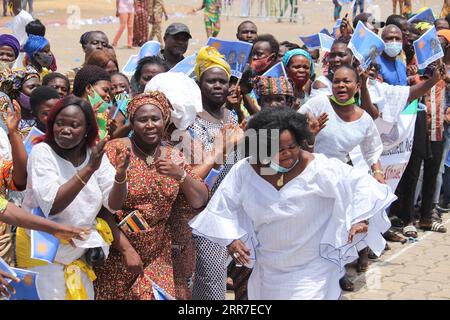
[{"x": 156, "y": 175}]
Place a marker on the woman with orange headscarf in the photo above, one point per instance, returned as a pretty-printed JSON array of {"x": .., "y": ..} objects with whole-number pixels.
[{"x": 156, "y": 175}]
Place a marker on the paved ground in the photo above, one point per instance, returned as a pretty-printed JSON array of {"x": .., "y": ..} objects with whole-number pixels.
[{"x": 419, "y": 270}]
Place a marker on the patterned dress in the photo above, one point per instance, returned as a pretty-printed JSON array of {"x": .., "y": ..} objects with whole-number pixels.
[
  {"x": 154, "y": 196},
  {"x": 212, "y": 17},
  {"x": 6, "y": 182},
  {"x": 140, "y": 30},
  {"x": 211, "y": 261}
]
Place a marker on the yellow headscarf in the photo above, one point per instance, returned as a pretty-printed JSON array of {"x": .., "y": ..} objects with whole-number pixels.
[{"x": 209, "y": 57}]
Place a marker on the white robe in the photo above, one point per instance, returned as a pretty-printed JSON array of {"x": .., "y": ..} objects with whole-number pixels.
[{"x": 297, "y": 235}]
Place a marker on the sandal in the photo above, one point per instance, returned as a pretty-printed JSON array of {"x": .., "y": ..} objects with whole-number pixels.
[
  {"x": 435, "y": 226},
  {"x": 394, "y": 237},
  {"x": 372, "y": 255},
  {"x": 346, "y": 284},
  {"x": 410, "y": 232}
]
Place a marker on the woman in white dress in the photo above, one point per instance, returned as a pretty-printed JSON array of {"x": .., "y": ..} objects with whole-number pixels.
[
  {"x": 70, "y": 179},
  {"x": 297, "y": 217}
]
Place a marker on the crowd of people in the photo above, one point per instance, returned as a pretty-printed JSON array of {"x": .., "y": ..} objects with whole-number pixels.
[{"x": 198, "y": 183}]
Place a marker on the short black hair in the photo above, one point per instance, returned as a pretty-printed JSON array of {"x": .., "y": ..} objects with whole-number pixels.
[
  {"x": 349, "y": 67},
  {"x": 447, "y": 17},
  {"x": 40, "y": 95},
  {"x": 245, "y": 22},
  {"x": 274, "y": 45},
  {"x": 35, "y": 27},
  {"x": 290, "y": 45},
  {"x": 395, "y": 19},
  {"x": 84, "y": 39},
  {"x": 87, "y": 75},
  {"x": 280, "y": 119},
  {"x": 55, "y": 75},
  {"x": 117, "y": 73},
  {"x": 150, "y": 60}
]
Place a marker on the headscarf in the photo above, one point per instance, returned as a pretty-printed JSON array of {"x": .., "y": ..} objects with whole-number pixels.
[
  {"x": 209, "y": 57},
  {"x": 11, "y": 81},
  {"x": 268, "y": 86},
  {"x": 298, "y": 52},
  {"x": 444, "y": 33},
  {"x": 156, "y": 98},
  {"x": 186, "y": 100},
  {"x": 10, "y": 41},
  {"x": 34, "y": 44}
]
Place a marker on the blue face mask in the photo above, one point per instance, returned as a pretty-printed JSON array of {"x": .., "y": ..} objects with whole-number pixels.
[{"x": 276, "y": 167}]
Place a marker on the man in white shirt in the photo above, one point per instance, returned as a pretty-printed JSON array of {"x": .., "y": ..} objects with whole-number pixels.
[{"x": 20, "y": 20}]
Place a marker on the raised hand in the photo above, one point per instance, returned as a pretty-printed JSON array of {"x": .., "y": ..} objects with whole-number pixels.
[
  {"x": 13, "y": 120},
  {"x": 122, "y": 160},
  {"x": 317, "y": 124},
  {"x": 97, "y": 153}
]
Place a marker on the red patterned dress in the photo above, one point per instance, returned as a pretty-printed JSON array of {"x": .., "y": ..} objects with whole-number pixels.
[{"x": 154, "y": 196}]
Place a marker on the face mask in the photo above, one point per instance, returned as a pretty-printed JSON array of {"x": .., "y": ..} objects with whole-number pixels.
[
  {"x": 262, "y": 64},
  {"x": 24, "y": 101},
  {"x": 96, "y": 99},
  {"x": 276, "y": 167},
  {"x": 4, "y": 65},
  {"x": 373, "y": 82},
  {"x": 393, "y": 49},
  {"x": 349, "y": 102},
  {"x": 44, "y": 59}
]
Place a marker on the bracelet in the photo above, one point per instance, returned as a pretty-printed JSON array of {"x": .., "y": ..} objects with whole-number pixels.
[
  {"x": 377, "y": 171},
  {"x": 79, "y": 178},
  {"x": 121, "y": 182},
  {"x": 183, "y": 177}
]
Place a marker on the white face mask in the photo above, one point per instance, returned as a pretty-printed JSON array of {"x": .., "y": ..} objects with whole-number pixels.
[{"x": 393, "y": 49}]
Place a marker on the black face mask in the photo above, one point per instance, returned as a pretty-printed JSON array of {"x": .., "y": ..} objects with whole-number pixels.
[{"x": 44, "y": 59}]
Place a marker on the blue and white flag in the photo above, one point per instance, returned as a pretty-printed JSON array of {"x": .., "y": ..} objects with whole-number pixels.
[
  {"x": 236, "y": 53},
  {"x": 428, "y": 48},
  {"x": 312, "y": 42},
  {"x": 325, "y": 31},
  {"x": 44, "y": 246},
  {"x": 426, "y": 16},
  {"x": 7, "y": 269},
  {"x": 326, "y": 42},
  {"x": 150, "y": 48},
  {"x": 336, "y": 28},
  {"x": 25, "y": 289},
  {"x": 32, "y": 138},
  {"x": 365, "y": 45},
  {"x": 276, "y": 71},
  {"x": 186, "y": 66},
  {"x": 158, "y": 292}
]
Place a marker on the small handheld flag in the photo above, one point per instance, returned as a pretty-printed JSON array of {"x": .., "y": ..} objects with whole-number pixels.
[
  {"x": 424, "y": 16},
  {"x": 186, "y": 66},
  {"x": 428, "y": 48},
  {"x": 32, "y": 139},
  {"x": 236, "y": 53},
  {"x": 44, "y": 246},
  {"x": 326, "y": 42},
  {"x": 7, "y": 269},
  {"x": 150, "y": 48},
  {"x": 276, "y": 71},
  {"x": 365, "y": 45},
  {"x": 25, "y": 289}
]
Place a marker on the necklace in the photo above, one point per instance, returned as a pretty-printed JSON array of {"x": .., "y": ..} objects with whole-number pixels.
[
  {"x": 149, "y": 159},
  {"x": 280, "y": 181}
]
